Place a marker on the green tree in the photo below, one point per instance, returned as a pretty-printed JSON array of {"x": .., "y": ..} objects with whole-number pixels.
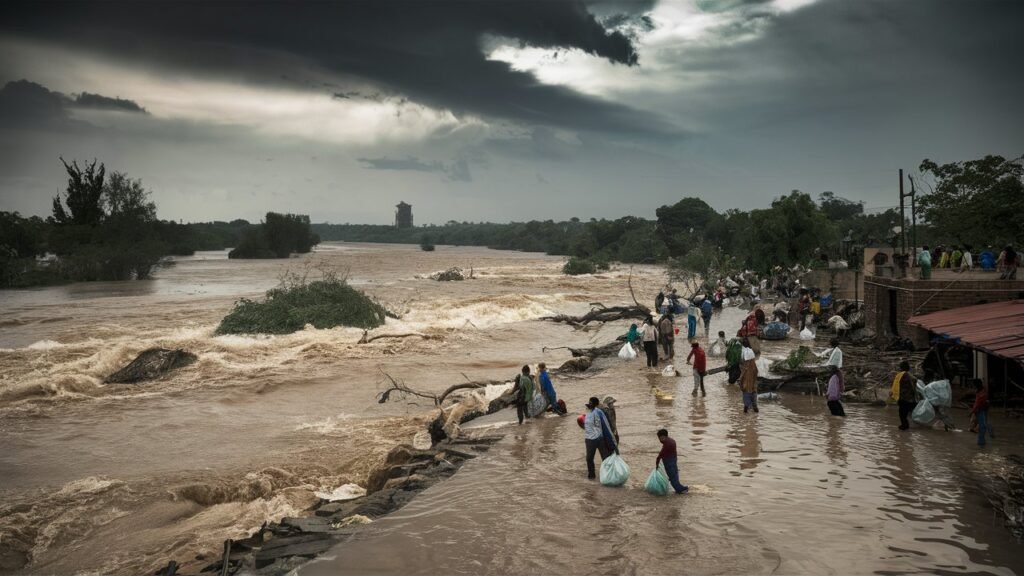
[
  {"x": 83, "y": 196},
  {"x": 681, "y": 224},
  {"x": 977, "y": 202},
  {"x": 125, "y": 198},
  {"x": 839, "y": 209},
  {"x": 791, "y": 231}
]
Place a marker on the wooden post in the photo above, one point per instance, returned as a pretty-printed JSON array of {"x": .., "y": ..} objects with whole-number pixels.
[{"x": 225, "y": 561}]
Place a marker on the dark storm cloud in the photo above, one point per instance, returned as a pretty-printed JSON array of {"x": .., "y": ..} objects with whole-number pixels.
[
  {"x": 457, "y": 171},
  {"x": 428, "y": 51},
  {"x": 100, "y": 102},
  {"x": 28, "y": 105},
  {"x": 25, "y": 104}
]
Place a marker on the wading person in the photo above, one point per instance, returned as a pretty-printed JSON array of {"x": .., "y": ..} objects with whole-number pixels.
[
  {"x": 597, "y": 435},
  {"x": 700, "y": 364},
  {"x": 659, "y": 300},
  {"x": 523, "y": 393},
  {"x": 649, "y": 334},
  {"x": 670, "y": 459},
  {"x": 719, "y": 346},
  {"x": 705, "y": 313},
  {"x": 748, "y": 378},
  {"x": 548, "y": 389},
  {"x": 834, "y": 392},
  {"x": 667, "y": 335},
  {"x": 904, "y": 393},
  {"x": 980, "y": 410},
  {"x": 750, "y": 330},
  {"x": 924, "y": 260},
  {"x": 633, "y": 336},
  {"x": 834, "y": 354},
  {"x": 691, "y": 321}
]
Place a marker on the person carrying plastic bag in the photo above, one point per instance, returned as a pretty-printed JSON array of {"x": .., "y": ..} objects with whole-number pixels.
[
  {"x": 598, "y": 438},
  {"x": 670, "y": 460}
]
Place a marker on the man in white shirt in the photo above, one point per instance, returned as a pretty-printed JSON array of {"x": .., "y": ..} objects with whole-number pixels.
[{"x": 834, "y": 354}]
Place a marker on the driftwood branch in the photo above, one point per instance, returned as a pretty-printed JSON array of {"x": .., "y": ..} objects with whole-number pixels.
[
  {"x": 629, "y": 282},
  {"x": 601, "y": 313},
  {"x": 399, "y": 387},
  {"x": 465, "y": 386},
  {"x": 366, "y": 339}
]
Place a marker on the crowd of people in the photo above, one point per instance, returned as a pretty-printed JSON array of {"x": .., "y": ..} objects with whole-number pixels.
[
  {"x": 961, "y": 258},
  {"x": 657, "y": 339}
]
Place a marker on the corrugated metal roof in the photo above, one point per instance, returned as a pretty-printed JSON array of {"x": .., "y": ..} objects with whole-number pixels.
[{"x": 996, "y": 328}]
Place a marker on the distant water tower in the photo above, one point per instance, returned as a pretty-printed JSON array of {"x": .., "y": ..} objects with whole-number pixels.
[{"x": 403, "y": 215}]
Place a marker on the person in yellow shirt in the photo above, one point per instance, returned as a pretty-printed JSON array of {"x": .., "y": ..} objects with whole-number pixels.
[{"x": 904, "y": 393}]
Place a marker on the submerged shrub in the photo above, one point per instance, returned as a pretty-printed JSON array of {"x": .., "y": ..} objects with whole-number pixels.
[
  {"x": 579, "y": 266},
  {"x": 323, "y": 303}
]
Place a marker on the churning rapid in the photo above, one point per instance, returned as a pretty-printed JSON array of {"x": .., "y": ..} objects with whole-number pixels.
[{"x": 118, "y": 479}]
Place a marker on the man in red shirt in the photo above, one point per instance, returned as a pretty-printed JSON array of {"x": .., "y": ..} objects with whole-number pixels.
[
  {"x": 668, "y": 457},
  {"x": 700, "y": 365}
]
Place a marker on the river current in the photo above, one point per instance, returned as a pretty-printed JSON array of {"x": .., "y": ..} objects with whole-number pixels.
[{"x": 118, "y": 479}]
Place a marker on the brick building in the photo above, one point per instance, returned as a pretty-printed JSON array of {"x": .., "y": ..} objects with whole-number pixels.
[{"x": 890, "y": 302}]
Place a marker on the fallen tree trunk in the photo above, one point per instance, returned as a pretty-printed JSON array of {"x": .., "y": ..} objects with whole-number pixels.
[
  {"x": 602, "y": 313},
  {"x": 366, "y": 339}
]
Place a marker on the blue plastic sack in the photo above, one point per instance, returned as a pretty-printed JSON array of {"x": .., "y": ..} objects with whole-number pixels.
[
  {"x": 614, "y": 471},
  {"x": 776, "y": 330},
  {"x": 657, "y": 482},
  {"x": 825, "y": 301}
]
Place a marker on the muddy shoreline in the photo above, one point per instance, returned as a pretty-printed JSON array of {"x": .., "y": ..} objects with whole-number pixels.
[{"x": 277, "y": 548}]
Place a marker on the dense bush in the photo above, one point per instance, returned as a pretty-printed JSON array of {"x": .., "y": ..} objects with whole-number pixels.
[
  {"x": 288, "y": 308},
  {"x": 279, "y": 236},
  {"x": 577, "y": 266}
]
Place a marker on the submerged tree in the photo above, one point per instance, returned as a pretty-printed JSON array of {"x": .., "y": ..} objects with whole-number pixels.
[{"x": 83, "y": 196}]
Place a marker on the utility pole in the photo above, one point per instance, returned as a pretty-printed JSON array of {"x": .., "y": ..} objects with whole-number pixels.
[
  {"x": 903, "y": 218},
  {"x": 913, "y": 219}
]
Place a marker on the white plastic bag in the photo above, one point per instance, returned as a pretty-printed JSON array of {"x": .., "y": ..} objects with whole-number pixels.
[
  {"x": 924, "y": 413},
  {"x": 614, "y": 471},
  {"x": 657, "y": 483},
  {"x": 537, "y": 405},
  {"x": 669, "y": 370},
  {"x": 806, "y": 334},
  {"x": 938, "y": 393},
  {"x": 627, "y": 352}
]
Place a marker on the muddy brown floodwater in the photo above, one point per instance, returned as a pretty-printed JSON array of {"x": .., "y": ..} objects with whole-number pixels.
[{"x": 99, "y": 479}]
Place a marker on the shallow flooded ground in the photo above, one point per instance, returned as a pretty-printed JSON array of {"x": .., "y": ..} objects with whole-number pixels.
[{"x": 118, "y": 479}]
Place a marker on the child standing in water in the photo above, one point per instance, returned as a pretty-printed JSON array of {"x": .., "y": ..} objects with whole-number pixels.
[{"x": 980, "y": 410}]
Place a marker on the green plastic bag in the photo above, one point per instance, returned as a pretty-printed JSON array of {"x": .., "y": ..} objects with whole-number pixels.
[
  {"x": 657, "y": 482},
  {"x": 614, "y": 471},
  {"x": 733, "y": 353}
]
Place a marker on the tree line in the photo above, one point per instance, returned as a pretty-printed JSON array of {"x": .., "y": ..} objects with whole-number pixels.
[
  {"x": 977, "y": 202},
  {"x": 105, "y": 227}
]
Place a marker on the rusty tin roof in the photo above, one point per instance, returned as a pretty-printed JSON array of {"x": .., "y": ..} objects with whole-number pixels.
[{"x": 996, "y": 328}]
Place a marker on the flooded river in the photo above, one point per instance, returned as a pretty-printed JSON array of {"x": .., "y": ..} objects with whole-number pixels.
[{"x": 104, "y": 479}]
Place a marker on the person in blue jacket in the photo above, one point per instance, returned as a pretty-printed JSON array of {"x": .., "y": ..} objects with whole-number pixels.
[
  {"x": 548, "y": 389},
  {"x": 705, "y": 312}
]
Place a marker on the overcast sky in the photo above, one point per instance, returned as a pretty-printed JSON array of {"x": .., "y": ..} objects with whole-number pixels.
[{"x": 501, "y": 109}]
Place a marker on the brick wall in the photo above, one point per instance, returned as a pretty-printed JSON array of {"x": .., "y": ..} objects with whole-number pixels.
[{"x": 915, "y": 297}]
